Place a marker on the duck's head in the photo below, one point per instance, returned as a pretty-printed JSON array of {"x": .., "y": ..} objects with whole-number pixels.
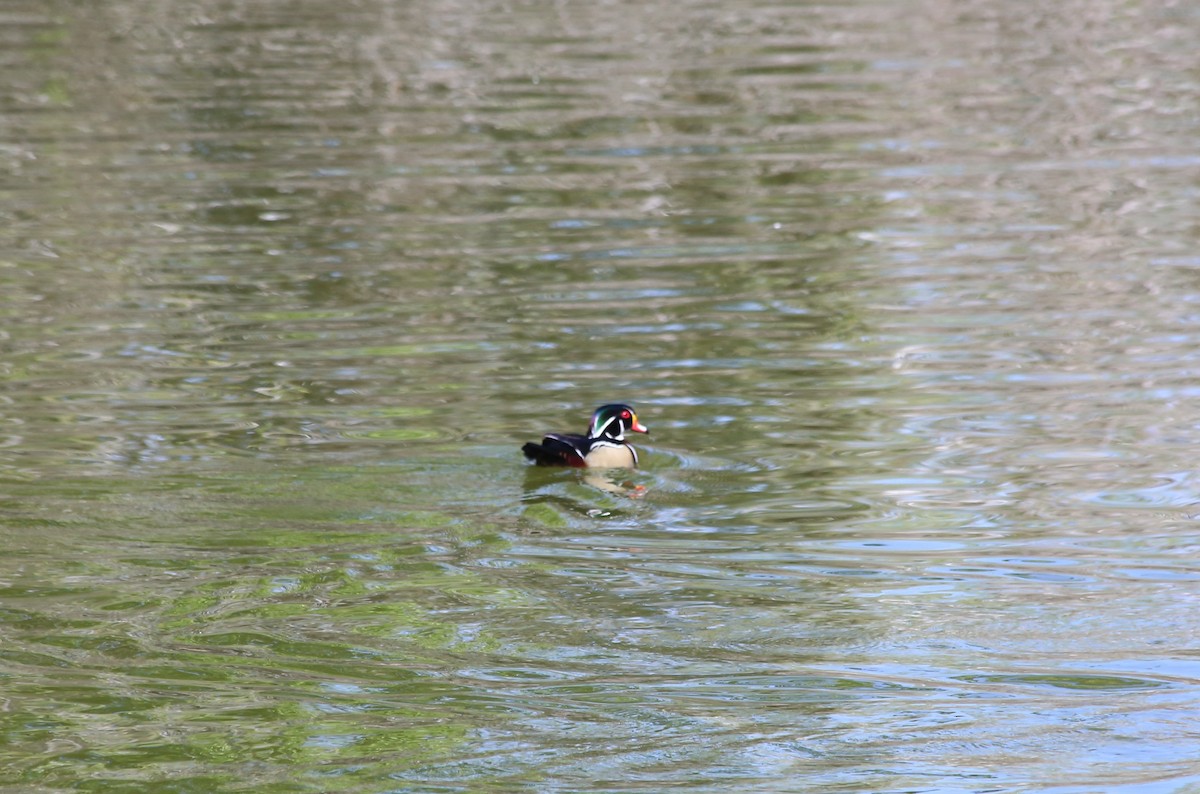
[{"x": 613, "y": 421}]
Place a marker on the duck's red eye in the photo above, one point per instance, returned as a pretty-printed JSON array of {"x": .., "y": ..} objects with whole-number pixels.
[{"x": 624, "y": 414}]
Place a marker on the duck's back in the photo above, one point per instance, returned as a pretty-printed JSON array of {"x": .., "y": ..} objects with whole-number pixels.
[{"x": 558, "y": 449}]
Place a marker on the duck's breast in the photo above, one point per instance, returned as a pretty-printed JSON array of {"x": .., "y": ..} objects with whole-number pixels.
[{"x": 611, "y": 456}]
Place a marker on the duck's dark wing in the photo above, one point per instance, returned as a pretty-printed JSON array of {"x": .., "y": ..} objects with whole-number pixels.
[{"x": 559, "y": 449}]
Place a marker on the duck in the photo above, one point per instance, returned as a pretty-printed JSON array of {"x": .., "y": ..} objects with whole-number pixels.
[{"x": 604, "y": 446}]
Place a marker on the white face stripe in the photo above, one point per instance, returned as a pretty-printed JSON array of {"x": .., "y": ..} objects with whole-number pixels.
[{"x": 599, "y": 431}]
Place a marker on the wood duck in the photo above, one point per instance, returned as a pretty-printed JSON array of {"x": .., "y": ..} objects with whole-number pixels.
[{"x": 604, "y": 446}]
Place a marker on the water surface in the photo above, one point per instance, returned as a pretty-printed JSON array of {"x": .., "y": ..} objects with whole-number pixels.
[{"x": 907, "y": 293}]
